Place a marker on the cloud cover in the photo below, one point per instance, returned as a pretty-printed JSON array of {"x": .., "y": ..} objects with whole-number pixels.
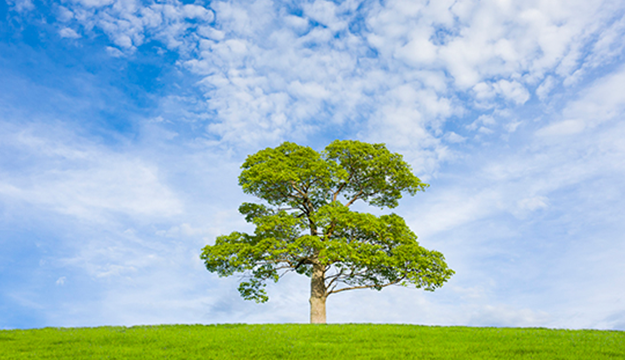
[{"x": 512, "y": 111}]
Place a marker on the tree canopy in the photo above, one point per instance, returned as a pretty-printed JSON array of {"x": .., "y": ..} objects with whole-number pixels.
[{"x": 306, "y": 225}]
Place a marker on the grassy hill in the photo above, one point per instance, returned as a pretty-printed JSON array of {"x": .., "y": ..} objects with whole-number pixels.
[{"x": 290, "y": 341}]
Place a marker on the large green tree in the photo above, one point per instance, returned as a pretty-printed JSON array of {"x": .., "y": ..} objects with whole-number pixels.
[{"x": 306, "y": 225}]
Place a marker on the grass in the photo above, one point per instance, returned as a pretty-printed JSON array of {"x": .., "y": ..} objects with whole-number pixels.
[{"x": 290, "y": 341}]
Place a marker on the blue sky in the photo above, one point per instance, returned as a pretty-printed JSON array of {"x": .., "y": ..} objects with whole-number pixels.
[{"x": 123, "y": 125}]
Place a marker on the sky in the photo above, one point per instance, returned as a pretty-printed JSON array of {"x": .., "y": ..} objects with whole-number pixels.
[{"x": 124, "y": 123}]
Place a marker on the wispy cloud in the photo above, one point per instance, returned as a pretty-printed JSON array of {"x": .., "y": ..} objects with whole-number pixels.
[
  {"x": 271, "y": 71},
  {"x": 72, "y": 177}
]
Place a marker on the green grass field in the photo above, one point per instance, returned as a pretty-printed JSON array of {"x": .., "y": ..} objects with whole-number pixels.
[{"x": 289, "y": 341}]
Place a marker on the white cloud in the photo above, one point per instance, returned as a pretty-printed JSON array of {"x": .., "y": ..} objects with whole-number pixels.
[
  {"x": 324, "y": 12},
  {"x": 197, "y": 12},
  {"x": 545, "y": 87},
  {"x": 528, "y": 205},
  {"x": 502, "y": 315},
  {"x": 533, "y": 203},
  {"x": 456, "y": 208},
  {"x": 512, "y": 90},
  {"x": 513, "y": 126},
  {"x": 491, "y": 39},
  {"x": 68, "y": 33},
  {"x": 452, "y": 137},
  {"x": 419, "y": 50},
  {"x": 565, "y": 127},
  {"x": 603, "y": 101},
  {"x": 96, "y": 3},
  {"x": 64, "y": 14},
  {"x": 509, "y": 90},
  {"x": 269, "y": 75},
  {"x": 183, "y": 229},
  {"x": 485, "y": 130},
  {"x": 128, "y": 23},
  {"x": 487, "y": 120},
  {"x": 90, "y": 184},
  {"x": 21, "y": 5},
  {"x": 600, "y": 103},
  {"x": 114, "y": 52},
  {"x": 483, "y": 91},
  {"x": 608, "y": 46},
  {"x": 297, "y": 23}
]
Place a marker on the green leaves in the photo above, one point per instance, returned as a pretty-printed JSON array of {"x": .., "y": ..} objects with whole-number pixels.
[
  {"x": 372, "y": 173},
  {"x": 253, "y": 211},
  {"x": 288, "y": 175},
  {"x": 253, "y": 290},
  {"x": 370, "y": 250},
  {"x": 306, "y": 226},
  {"x": 298, "y": 176}
]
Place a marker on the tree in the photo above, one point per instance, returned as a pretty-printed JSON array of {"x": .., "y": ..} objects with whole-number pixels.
[{"x": 304, "y": 227}]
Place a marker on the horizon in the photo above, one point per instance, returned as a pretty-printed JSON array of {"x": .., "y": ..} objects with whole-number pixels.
[{"x": 123, "y": 124}]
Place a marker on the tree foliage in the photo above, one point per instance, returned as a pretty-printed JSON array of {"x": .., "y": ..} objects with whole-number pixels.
[{"x": 306, "y": 225}]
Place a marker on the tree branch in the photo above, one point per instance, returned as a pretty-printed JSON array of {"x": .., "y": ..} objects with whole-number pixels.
[
  {"x": 302, "y": 193},
  {"x": 335, "y": 276},
  {"x": 336, "y": 194},
  {"x": 285, "y": 272},
  {"x": 354, "y": 198},
  {"x": 331, "y": 230},
  {"x": 353, "y": 274},
  {"x": 303, "y": 261},
  {"x": 366, "y": 286}
]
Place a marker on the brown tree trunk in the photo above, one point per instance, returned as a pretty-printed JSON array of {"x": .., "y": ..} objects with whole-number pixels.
[{"x": 318, "y": 295}]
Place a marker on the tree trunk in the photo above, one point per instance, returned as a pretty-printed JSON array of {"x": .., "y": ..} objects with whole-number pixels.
[{"x": 318, "y": 295}]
